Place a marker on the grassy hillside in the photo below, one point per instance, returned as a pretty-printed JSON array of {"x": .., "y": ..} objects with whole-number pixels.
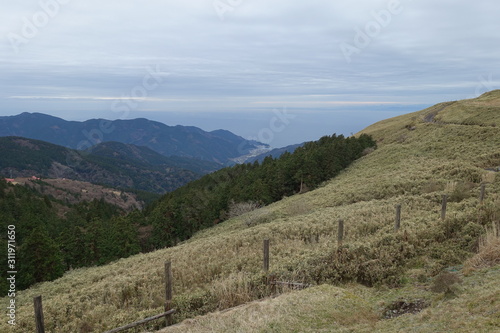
[
  {"x": 355, "y": 308},
  {"x": 421, "y": 156}
]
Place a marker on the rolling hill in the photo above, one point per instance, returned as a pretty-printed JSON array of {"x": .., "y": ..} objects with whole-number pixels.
[
  {"x": 141, "y": 155},
  {"x": 71, "y": 192},
  {"x": 432, "y": 275},
  {"x": 218, "y": 146},
  {"x": 113, "y": 164}
]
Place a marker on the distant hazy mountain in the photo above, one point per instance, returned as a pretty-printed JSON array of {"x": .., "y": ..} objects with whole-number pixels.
[
  {"x": 113, "y": 164},
  {"x": 219, "y": 146}
]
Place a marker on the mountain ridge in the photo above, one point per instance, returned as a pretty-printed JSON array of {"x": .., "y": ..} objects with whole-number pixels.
[
  {"x": 218, "y": 146},
  {"x": 147, "y": 156},
  {"x": 71, "y": 192},
  {"x": 23, "y": 157},
  {"x": 373, "y": 272}
]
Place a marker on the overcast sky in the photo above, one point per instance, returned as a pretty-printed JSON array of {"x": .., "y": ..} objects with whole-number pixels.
[{"x": 280, "y": 71}]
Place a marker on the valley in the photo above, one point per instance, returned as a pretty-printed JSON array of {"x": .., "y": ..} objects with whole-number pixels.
[{"x": 446, "y": 269}]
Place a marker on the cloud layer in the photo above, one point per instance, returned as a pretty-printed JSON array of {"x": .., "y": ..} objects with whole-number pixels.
[{"x": 244, "y": 55}]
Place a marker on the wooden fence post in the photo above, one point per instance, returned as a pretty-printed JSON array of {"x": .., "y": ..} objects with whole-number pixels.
[
  {"x": 168, "y": 291},
  {"x": 340, "y": 233},
  {"x": 483, "y": 193},
  {"x": 266, "y": 255},
  {"x": 40, "y": 326},
  {"x": 443, "y": 207},
  {"x": 397, "y": 221}
]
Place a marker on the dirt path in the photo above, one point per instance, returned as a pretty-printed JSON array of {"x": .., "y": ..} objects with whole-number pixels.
[{"x": 429, "y": 118}]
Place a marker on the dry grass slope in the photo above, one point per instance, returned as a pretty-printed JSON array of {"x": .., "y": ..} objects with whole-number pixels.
[
  {"x": 356, "y": 309},
  {"x": 419, "y": 159}
]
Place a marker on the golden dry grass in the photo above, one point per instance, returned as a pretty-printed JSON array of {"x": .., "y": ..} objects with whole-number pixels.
[
  {"x": 489, "y": 250},
  {"x": 415, "y": 164},
  {"x": 356, "y": 309},
  {"x": 313, "y": 310}
]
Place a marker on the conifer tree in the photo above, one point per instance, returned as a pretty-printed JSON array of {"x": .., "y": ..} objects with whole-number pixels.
[{"x": 39, "y": 258}]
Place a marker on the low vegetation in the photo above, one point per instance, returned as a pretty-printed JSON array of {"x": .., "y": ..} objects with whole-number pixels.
[
  {"x": 488, "y": 252},
  {"x": 354, "y": 308},
  {"x": 378, "y": 280}
]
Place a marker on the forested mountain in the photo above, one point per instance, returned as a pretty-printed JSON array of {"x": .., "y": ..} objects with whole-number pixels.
[
  {"x": 113, "y": 164},
  {"x": 68, "y": 192},
  {"x": 141, "y": 155},
  {"x": 218, "y": 146},
  {"x": 97, "y": 232},
  {"x": 48, "y": 244},
  {"x": 207, "y": 201}
]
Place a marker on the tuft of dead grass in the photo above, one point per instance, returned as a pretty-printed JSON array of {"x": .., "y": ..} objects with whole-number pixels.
[
  {"x": 234, "y": 290},
  {"x": 240, "y": 208},
  {"x": 489, "y": 250}
]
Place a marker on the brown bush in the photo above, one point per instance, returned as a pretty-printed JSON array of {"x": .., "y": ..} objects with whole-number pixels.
[
  {"x": 240, "y": 208},
  {"x": 444, "y": 282}
]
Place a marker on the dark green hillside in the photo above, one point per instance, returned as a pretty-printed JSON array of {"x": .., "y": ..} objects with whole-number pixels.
[
  {"x": 207, "y": 201},
  {"x": 48, "y": 244},
  {"x": 30, "y": 155},
  {"x": 146, "y": 157},
  {"x": 127, "y": 167}
]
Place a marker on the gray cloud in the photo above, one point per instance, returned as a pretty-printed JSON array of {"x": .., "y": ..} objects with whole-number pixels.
[{"x": 262, "y": 54}]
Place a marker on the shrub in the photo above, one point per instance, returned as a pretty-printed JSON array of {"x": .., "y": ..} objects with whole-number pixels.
[
  {"x": 489, "y": 212},
  {"x": 240, "y": 208},
  {"x": 459, "y": 191},
  {"x": 259, "y": 216},
  {"x": 250, "y": 219},
  {"x": 373, "y": 264},
  {"x": 432, "y": 186},
  {"x": 444, "y": 282},
  {"x": 470, "y": 236}
]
